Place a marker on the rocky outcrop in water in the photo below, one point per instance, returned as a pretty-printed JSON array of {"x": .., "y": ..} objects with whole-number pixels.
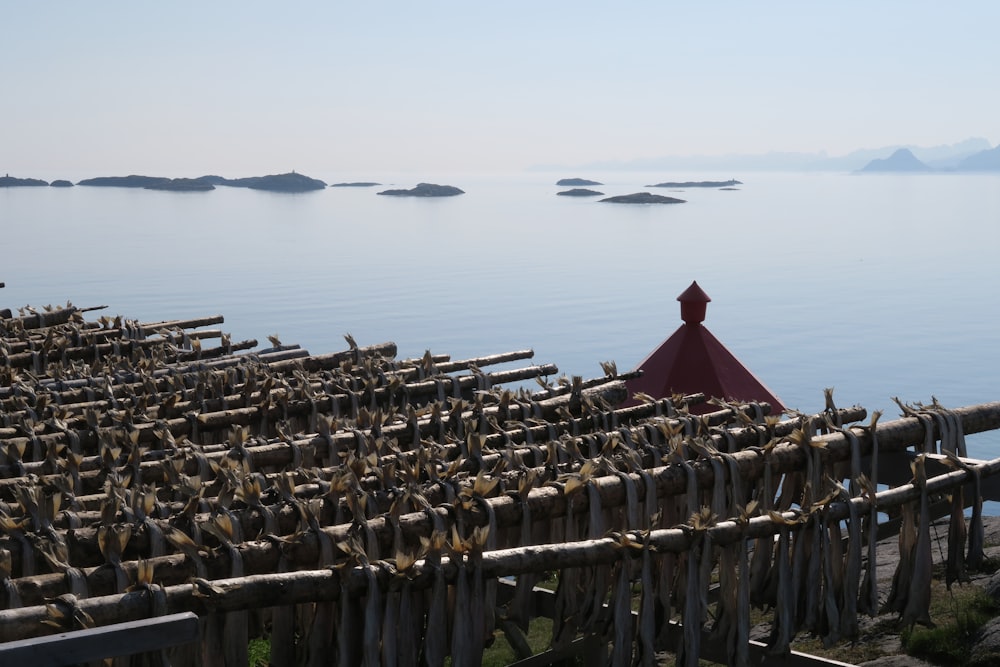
[
  {"x": 426, "y": 190},
  {"x": 577, "y": 181},
  {"x": 290, "y": 182},
  {"x": 697, "y": 184},
  {"x": 60, "y": 183},
  {"x": 9, "y": 181},
  {"x": 131, "y": 181},
  {"x": 643, "y": 198},
  {"x": 579, "y": 192}
]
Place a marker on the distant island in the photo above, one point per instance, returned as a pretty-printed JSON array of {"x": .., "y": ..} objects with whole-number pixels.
[
  {"x": 182, "y": 185},
  {"x": 60, "y": 183},
  {"x": 697, "y": 184},
  {"x": 904, "y": 161},
  {"x": 579, "y": 192},
  {"x": 577, "y": 181},
  {"x": 359, "y": 184},
  {"x": 426, "y": 190},
  {"x": 901, "y": 160},
  {"x": 988, "y": 160},
  {"x": 643, "y": 198},
  {"x": 290, "y": 182},
  {"x": 132, "y": 181},
  {"x": 8, "y": 181}
]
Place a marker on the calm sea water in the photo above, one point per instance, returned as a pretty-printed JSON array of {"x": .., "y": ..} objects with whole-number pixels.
[{"x": 878, "y": 286}]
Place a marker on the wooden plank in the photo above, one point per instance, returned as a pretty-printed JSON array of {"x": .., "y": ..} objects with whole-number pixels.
[{"x": 150, "y": 634}]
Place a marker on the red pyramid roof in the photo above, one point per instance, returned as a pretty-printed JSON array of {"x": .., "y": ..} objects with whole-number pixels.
[{"x": 692, "y": 360}]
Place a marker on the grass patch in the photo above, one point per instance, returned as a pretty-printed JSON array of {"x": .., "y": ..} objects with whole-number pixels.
[
  {"x": 259, "y": 651},
  {"x": 951, "y": 641}
]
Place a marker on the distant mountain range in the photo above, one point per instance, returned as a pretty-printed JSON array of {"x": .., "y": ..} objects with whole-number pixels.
[
  {"x": 975, "y": 154},
  {"x": 903, "y": 160}
]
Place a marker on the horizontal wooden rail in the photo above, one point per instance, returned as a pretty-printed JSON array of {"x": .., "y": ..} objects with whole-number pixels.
[{"x": 109, "y": 641}]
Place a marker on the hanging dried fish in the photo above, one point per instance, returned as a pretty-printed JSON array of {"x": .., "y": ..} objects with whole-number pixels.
[
  {"x": 521, "y": 608},
  {"x": 461, "y": 634},
  {"x": 833, "y": 562},
  {"x": 323, "y": 628},
  {"x": 410, "y": 617},
  {"x": 760, "y": 562},
  {"x": 569, "y": 592},
  {"x": 918, "y": 601},
  {"x": 235, "y": 623},
  {"x": 852, "y": 569},
  {"x": 645, "y": 647},
  {"x": 350, "y": 630},
  {"x": 975, "y": 556},
  {"x": 868, "y": 600},
  {"x": 782, "y": 629},
  {"x": 694, "y": 612},
  {"x": 738, "y": 652},
  {"x": 371, "y": 642},
  {"x": 436, "y": 636},
  {"x": 594, "y": 610},
  {"x": 621, "y": 649},
  {"x": 957, "y": 534}
]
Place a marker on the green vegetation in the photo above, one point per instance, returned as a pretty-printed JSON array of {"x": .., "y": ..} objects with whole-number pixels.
[
  {"x": 260, "y": 652},
  {"x": 959, "y": 618}
]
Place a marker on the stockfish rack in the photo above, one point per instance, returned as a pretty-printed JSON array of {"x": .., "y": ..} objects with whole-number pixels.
[{"x": 355, "y": 508}]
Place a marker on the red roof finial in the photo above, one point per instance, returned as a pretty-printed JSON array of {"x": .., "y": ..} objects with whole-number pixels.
[{"x": 693, "y": 304}]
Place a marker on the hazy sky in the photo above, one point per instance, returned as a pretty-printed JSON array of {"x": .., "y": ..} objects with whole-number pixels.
[{"x": 245, "y": 88}]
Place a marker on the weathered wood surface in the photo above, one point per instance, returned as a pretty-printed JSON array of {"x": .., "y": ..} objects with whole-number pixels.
[{"x": 340, "y": 481}]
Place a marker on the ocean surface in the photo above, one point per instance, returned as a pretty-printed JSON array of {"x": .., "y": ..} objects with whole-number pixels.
[{"x": 875, "y": 285}]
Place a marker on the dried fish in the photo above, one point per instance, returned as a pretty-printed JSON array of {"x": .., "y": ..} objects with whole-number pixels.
[
  {"x": 918, "y": 601},
  {"x": 957, "y": 534},
  {"x": 833, "y": 561},
  {"x": 645, "y": 651},
  {"x": 739, "y": 656},
  {"x": 521, "y": 607},
  {"x": 371, "y": 641},
  {"x": 974, "y": 559},
  {"x": 694, "y": 611},
  {"x": 782, "y": 630},
  {"x": 594, "y": 610},
  {"x": 621, "y": 650},
  {"x": 852, "y": 571},
  {"x": 436, "y": 636},
  {"x": 350, "y": 630},
  {"x": 975, "y": 555}
]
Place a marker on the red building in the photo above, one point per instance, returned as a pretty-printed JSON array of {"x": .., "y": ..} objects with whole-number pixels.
[{"x": 692, "y": 361}]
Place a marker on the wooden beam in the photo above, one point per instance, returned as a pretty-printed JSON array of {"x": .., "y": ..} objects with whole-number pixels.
[{"x": 109, "y": 641}]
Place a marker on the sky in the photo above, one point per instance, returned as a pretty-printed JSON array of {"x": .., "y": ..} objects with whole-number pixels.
[{"x": 247, "y": 88}]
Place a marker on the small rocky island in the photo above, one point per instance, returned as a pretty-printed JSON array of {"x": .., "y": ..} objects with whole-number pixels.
[
  {"x": 290, "y": 182},
  {"x": 426, "y": 190},
  {"x": 580, "y": 192},
  {"x": 577, "y": 181},
  {"x": 131, "y": 181},
  {"x": 8, "y": 181},
  {"x": 643, "y": 198},
  {"x": 359, "y": 184},
  {"x": 697, "y": 184},
  {"x": 61, "y": 183}
]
